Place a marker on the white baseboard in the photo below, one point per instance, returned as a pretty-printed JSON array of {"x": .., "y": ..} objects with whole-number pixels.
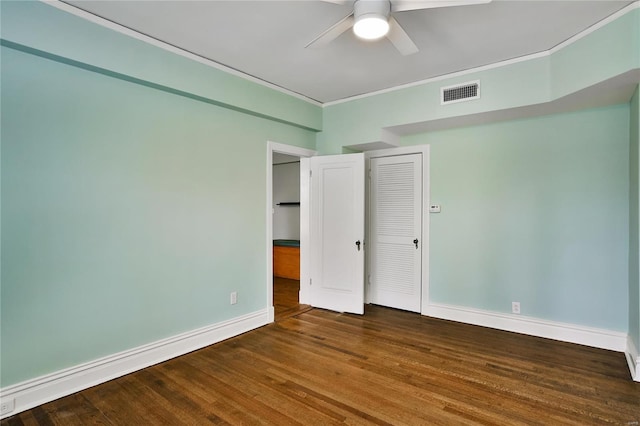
[
  {"x": 633, "y": 359},
  {"x": 271, "y": 314},
  {"x": 23, "y": 396},
  {"x": 594, "y": 337}
]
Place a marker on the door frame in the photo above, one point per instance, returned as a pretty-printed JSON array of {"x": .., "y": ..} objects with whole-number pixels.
[
  {"x": 304, "y": 218},
  {"x": 426, "y": 199}
]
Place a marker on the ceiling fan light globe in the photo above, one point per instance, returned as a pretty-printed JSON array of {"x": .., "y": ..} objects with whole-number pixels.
[{"x": 371, "y": 27}]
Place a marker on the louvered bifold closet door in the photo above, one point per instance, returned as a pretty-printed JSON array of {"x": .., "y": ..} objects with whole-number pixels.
[{"x": 396, "y": 232}]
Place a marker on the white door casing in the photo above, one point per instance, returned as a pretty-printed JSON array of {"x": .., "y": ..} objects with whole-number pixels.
[
  {"x": 305, "y": 237},
  {"x": 337, "y": 233},
  {"x": 395, "y": 240},
  {"x": 304, "y": 222}
]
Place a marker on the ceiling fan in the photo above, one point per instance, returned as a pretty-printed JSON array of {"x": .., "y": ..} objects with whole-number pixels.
[{"x": 372, "y": 19}]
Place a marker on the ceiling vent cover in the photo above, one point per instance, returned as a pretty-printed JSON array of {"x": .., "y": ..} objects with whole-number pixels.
[{"x": 460, "y": 92}]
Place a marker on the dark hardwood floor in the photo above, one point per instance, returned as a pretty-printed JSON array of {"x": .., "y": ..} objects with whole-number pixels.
[
  {"x": 386, "y": 367},
  {"x": 285, "y": 298}
]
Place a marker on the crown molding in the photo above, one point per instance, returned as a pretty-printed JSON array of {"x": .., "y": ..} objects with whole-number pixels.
[
  {"x": 58, "y": 4},
  {"x": 611, "y": 18}
]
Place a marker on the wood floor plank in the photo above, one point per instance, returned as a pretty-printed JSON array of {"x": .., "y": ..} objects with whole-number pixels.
[
  {"x": 127, "y": 401},
  {"x": 269, "y": 390},
  {"x": 285, "y": 298},
  {"x": 405, "y": 376},
  {"x": 386, "y": 367},
  {"x": 302, "y": 371},
  {"x": 75, "y": 410},
  {"x": 276, "y": 394}
]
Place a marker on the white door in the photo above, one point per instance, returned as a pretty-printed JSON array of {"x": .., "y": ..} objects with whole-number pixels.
[
  {"x": 337, "y": 233},
  {"x": 396, "y": 232}
]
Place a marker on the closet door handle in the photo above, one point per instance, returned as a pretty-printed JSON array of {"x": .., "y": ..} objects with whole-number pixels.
[
  {"x": 358, "y": 244},
  {"x": 415, "y": 242}
]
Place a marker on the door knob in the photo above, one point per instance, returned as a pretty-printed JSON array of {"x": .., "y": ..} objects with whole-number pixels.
[
  {"x": 415, "y": 242},
  {"x": 358, "y": 244}
]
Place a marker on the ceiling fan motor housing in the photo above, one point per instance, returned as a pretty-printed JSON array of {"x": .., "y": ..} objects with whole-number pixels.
[
  {"x": 367, "y": 11},
  {"x": 380, "y": 7}
]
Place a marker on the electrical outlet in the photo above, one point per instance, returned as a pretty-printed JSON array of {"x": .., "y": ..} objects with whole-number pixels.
[
  {"x": 515, "y": 307},
  {"x": 234, "y": 297},
  {"x": 7, "y": 405}
]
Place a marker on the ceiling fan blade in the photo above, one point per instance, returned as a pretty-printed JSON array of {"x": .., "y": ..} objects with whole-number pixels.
[
  {"x": 404, "y": 5},
  {"x": 400, "y": 38},
  {"x": 340, "y": 2},
  {"x": 332, "y": 33}
]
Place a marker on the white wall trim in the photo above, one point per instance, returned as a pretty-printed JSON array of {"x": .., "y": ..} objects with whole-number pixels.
[
  {"x": 582, "y": 335},
  {"x": 304, "y": 219},
  {"x": 169, "y": 48},
  {"x": 41, "y": 390},
  {"x": 568, "y": 42},
  {"x": 305, "y": 231},
  {"x": 154, "y": 42},
  {"x": 633, "y": 359}
]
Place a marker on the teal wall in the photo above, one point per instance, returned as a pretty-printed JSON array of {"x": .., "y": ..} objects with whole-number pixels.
[
  {"x": 611, "y": 51},
  {"x": 634, "y": 220},
  {"x": 361, "y": 120},
  {"x": 128, "y": 214},
  {"x": 132, "y": 180},
  {"x": 40, "y": 26},
  {"x": 534, "y": 211},
  {"x": 607, "y": 52}
]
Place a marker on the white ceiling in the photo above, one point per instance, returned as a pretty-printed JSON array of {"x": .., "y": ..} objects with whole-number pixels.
[{"x": 266, "y": 39}]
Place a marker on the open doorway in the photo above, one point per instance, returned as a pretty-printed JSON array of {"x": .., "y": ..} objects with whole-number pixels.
[
  {"x": 286, "y": 236},
  {"x": 287, "y": 225},
  {"x": 315, "y": 165}
]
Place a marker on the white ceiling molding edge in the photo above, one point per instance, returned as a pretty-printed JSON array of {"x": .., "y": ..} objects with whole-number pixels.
[
  {"x": 189, "y": 55},
  {"x": 595, "y": 27},
  {"x": 568, "y": 42},
  {"x": 58, "y": 4}
]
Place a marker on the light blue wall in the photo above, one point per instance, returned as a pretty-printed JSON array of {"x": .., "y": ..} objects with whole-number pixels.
[
  {"x": 534, "y": 211},
  {"x": 634, "y": 220},
  {"x": 37, "y": 25},
  {"x": 610, "y": 51},
  {"x": 132, "y": 180},
  {"x": 361, "y": 121},
  {"x": 128, "y": 214},
  {"x": 605, "y": 53}
]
